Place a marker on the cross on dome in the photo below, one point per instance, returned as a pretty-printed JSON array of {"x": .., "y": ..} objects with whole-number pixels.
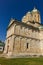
[{"x": 34, "y": 10}]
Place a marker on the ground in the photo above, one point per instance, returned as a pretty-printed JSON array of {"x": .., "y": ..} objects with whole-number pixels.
[{"x": 21, "y": 61}]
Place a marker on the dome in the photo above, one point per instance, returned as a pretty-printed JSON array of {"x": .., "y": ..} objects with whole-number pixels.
[
  {"x": 23, "y": 18},
  {"x": 28, "y": 12},
  {"x": 35, "y": 10}
]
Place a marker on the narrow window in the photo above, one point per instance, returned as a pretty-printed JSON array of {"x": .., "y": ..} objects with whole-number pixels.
[
  {"x": 35, "y": 15},
  {"x": 38, "y": 17},
  {"x": 8, "y": 41},
  {"x": 27, "y": 45},
  {"x": 7, "y": 48}
]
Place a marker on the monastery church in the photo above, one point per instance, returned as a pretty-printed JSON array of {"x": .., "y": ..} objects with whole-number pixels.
[{"x": 25, "y": 37}]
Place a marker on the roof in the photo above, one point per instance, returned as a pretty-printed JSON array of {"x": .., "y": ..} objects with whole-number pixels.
[
  {"x": 11, "y": 21},
  {"x": 22, "y": 23},
  {"x": 1, "y": 44}
]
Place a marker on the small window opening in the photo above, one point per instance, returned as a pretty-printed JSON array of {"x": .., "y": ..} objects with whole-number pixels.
[
  {"x": 27, "y": 45},
  {"x": 8, "y": 41}
]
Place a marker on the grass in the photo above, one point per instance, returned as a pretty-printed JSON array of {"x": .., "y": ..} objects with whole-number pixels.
[{"x": 22, "y": 61}]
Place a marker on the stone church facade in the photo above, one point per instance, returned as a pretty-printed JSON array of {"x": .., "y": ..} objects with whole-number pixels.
[{"x": 26, "y": 37}]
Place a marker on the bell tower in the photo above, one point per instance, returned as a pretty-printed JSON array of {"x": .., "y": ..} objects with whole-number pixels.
[{"x": 36, "y": 15}]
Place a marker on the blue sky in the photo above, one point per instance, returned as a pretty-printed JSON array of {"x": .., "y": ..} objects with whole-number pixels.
[{"x": 16, "y": 9}]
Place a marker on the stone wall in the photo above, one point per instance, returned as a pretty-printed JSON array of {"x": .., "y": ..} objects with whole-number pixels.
[{"x": 18, "y": 36}]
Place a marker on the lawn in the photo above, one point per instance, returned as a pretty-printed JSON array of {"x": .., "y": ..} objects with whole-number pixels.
[{"x": 22, "y": 61}]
